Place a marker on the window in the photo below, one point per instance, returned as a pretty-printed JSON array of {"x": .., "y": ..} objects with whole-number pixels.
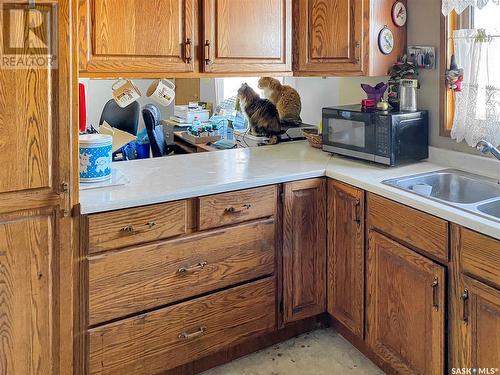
[{"x": 472, "y": 18}]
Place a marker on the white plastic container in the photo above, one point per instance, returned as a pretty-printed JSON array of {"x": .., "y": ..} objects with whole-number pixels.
[
  {"x": 95, "y": 157},
  {"x": 245, "y": 139}
]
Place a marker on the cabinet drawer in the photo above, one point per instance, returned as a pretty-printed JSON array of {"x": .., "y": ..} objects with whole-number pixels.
[
  {"x": 142, "y": 278},
  {"x": 479, "y": 256},
  {"x": 236, "y": 207},
  {"x": 115, "y": 229},
  {"x": 166, "y": 338},
  {"x": 415, "y": 228}
]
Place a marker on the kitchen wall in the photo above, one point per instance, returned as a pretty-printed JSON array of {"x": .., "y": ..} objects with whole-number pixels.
[
  {"x": 424, "y": 29},
  {"x": 317, "y": 93}
]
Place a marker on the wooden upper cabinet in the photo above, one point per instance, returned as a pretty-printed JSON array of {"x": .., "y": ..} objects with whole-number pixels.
[
  {"x": 247, "y": 36},
  {"x": 329, "y": 35},
  {"x": 405, "y": 307},
  {"x": 340, "y": 37},
  {"x": 29, "y": 110},
  {"x": 137, "y": 35},
  {"x": 346, "y": 255},
  {"x": 304, "y": 249}
]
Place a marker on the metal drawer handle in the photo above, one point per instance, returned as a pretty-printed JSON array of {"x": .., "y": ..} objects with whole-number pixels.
[
  {"x": 232, "y": 210},
  {"x": 207, "y": 52},
  {"x": 187, "y": 51},
  {"x": 198, "y": 266},
  {"x": 129, "y": 229},
  {"x": 465, "y": 309},
  {"x": 434, "y": 286},
  {"x": 357, "y": 211},
  {"x": 199, "y": 332}
]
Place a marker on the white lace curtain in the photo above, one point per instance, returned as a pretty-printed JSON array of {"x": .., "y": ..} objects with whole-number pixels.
[
  {"x": 460, "y": 5},
  {"x": 477, "y": 107}
]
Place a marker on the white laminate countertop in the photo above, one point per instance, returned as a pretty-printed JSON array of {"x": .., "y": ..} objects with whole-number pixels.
[{"x": 186, "y": 176}]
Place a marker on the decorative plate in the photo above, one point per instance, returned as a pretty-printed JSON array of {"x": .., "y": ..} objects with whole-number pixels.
[
  {"x": 399, "y": 14},
  {"x": 386, "y": 41}
]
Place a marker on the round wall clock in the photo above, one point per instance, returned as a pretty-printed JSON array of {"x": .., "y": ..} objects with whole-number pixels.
[
  {"x": 399, "y": 14},
  {"x": 386, "y": 41}
]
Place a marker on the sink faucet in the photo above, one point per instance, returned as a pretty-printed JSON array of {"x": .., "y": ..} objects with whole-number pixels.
[{"x": 486, "y": 147}]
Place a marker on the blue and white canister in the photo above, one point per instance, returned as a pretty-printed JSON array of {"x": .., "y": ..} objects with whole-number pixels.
[{"x": 95, "y": 157}]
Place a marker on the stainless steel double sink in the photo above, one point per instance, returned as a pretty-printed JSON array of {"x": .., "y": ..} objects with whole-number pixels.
[{"x": 466, "y": 191}]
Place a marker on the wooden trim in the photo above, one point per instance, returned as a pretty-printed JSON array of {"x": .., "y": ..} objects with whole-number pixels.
[{"x": 446, "y": 97}]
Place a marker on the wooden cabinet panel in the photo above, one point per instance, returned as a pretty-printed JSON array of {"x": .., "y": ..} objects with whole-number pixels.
[
  {"x": 29, "y": 106},
  {"x": 329, "y": 35},
  {"x": 153, "y": 275},
  {"x": 304, "y": 249},
  {"x": 137, "y": 35},
  {"x": 479, "y": 339},
  {"x": 132, "y": 226},
  {"x": 237, "y": 206},
  {"x": 166, "y": 338},
  {"x": 36, "y": 248},
  {"x": 346, "y": 255},
  {"x": 28, "y": 286},
  {"x": 425, "y": 232},
  {"x": 474, "y": 306},
  {"x": 380, "y": 17},
  {"x": 405, "y": 307},
  {"x": 247, "y": 35},
  {"x": 480, "y": 256}
]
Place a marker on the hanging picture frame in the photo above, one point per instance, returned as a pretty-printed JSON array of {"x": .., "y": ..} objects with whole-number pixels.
[
  {"x": 399, "y": 14},
  {"x": 386, "y": 41}
]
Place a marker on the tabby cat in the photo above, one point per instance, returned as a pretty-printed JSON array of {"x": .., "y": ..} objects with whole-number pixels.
[
  {"x": 262, "y": 115},
  {"x": 284, "y": 97}
]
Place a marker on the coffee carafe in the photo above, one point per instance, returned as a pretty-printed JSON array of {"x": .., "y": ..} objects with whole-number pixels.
[{"x": 408, "y": 95}]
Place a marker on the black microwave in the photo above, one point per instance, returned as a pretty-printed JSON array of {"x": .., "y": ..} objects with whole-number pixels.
[{"x": 385, "y": 137}]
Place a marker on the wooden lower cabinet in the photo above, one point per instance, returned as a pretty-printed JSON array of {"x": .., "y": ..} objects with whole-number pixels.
[
  {"x": 304, "y": 249},
  {"x": 163, "y": 339},
  {"x": 405, "y": 307},
  {"x": 474, "y": 301},
  {"x": 346, "y": 255},
  {"x": 478, "y": 339}
]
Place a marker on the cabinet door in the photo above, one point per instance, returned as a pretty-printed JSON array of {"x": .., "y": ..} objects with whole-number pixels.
[
  {"x": 36, "y": 264},
  {"x": 405, "y": 307},
  {"x": 304, "y": 249},
  {"x": 479, "y": 335},
  {"x": 28, "y": 286},
  {"x": 247, "y": 35},
  {"x": 346, "y": 256},
  {"x": 137, "y": 35},
  {"x": 329, "y": 36}
]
